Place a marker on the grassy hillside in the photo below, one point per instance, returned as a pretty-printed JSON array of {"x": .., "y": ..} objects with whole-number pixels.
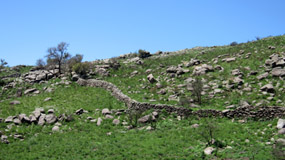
[{"x": 170, "y": 136}]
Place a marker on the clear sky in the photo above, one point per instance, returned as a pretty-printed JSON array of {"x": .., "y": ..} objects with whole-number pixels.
[{"x": 101, "y": 29}]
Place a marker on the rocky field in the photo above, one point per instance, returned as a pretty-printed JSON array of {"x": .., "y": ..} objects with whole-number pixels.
[{"x": 220, "y": 102}]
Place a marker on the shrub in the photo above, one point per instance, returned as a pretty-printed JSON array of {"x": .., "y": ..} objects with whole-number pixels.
[
  {"x": 114, "y": 63},
  {"x": 197, "y": 90},
  {"x": 40, "y": 63},
  {"x": 234, "y": 43},
  {"x": 144, "y": 54},
  {"x": 81, "y": 68},
  {"x": 133, "y": 116}
]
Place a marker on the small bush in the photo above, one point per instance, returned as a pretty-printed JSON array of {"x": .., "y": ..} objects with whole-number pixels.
[
  {"x": 81, "y": 68},
  {"x": 197, "y": 90},
  {"x": 233, "y": 44},
  {"x": 133, "y": 116},
  {"x": 144, "y": 54},
  {"x": 114, "y": 63}
]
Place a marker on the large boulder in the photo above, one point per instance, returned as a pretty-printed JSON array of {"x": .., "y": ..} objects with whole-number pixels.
[
  {"x": 268, "y": 88},
  {"x": 106, "y": 111},
  {"x": 278, "y": 72},
  {"x": 50, "y": 118},
  {"x": 151, "y": 78},
  {"x": 203, "y": 69},
  {"x": 281, "y": 123}
]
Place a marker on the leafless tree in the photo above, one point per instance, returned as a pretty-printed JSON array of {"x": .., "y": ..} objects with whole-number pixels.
[
  {"x": 58, "y": 54},
  {"x": 40, "y": 63},
  {"x": 3, "y": 63}
]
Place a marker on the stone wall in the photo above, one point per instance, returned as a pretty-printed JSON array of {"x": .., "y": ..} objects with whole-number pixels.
[{"x": 240, "y": 112}]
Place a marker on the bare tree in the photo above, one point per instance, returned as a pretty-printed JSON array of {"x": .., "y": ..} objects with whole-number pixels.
[
  {"x": 197, "y": 90},
  {"x": 3, "y": 63},
  {"x": 58, "y": 54},
  {"x": 40, "y": 63}
]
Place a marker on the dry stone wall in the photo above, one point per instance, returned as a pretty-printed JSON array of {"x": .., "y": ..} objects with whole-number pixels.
[{"x": 240, "y": 112}]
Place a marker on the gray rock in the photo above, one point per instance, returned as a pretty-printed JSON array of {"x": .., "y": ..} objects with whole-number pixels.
[
  {"x": 209, "y": 150},
  {"x": 75, "y": 77},
  {"x": 55, "y": 128},
  {"x": 278, "y": 72},
  {"x": 15, "y": 102},
  {"x": 42, "y": 121},
  {"x": 151, "y": 78},
  {"x": 31, "y": 90},
  {"x": 262, "y": 76},
  {"x": 281, "y": 123},
  {"x": 17, "y": 121},
  {"x": 33, "y": 118},
  {"x": 50, "y": 111},
  {"x": 236, "y": 72},
  {"x": 106, "y": 111},
  {"x": 99, "y": 121},
  {"x": 281, "y": 131},
  {"x": 229, "y": 59},
  {"x": 109, "y": 116},
  {"x": 9, "y": 119},
  {"x": 47, "y": 99},
  {"x": 195, "y": 125},
  {"x": 268, "y": 88},
  {"x": 50, "y": 118},
  {"x": 144, "y": 119},
  {"x": 4, "y": 139},
  {"x": 18, "y": 136},
  {"x": 203, "y": 69},
  {"x": 116, "y": 121},
  {"x": 281, "y": 141},
  {"x": 41, "y": 110},
  {"x": 37, "y": 114},
  {"x": 79, "y": 111}
]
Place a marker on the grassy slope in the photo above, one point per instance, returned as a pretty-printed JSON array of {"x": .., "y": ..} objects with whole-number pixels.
[
  {"x": 259, "y": 53},
  {"x": 172, "y": 139}
]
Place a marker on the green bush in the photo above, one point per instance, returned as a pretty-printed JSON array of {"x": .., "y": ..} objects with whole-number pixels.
[
  {"x": 81, "y": 68},
  {"x": 144, "y": 53}
]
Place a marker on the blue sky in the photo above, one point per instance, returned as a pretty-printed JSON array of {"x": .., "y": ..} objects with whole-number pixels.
[{"x": 109, "y": 28}]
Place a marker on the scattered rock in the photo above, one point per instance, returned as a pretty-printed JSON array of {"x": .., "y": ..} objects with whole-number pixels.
[
  {"x": 278, "y": 72},
  {"x": 262, "y": 76},
  {"x": 9, "y": 119},
  {"x": 55, "y": 129},
  {"x": 281, "y": 131},
  {"x": 15, "y": 102},
  {"x": 47, "y": 99},
  {"x": 195, "y": 125},
  {"x": 144, "y": 119},
  {"x": 106, "y": 111},
  {"x": 151, "y": 78},
  {"x": 42, "y": 121},
  {"x": 203, "y": 69},
  {"x": 116, "y": 121},
  {"x": 4, "y": 139},
  {"x": 229, "y": 59},
  {"x": 281, "y": 123},
  {"x": 79, "y": 111},
  {"x": 99, "y": 121},
  {"x": 16, "y": 121},
  {"x": 268, "y": 88},
  {"x": 209, "y": 150},
  {"x": 18, "y": 136},
  {"x": 109, "y": 116},
  {"x": 50, "y": 118},
  {"x": 50, "y": 111},
  {"x": 31, "y": 90}
]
